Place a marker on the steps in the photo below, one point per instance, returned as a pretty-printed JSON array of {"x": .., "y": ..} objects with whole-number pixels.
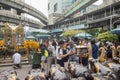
[{"x": 9, "y": 62}]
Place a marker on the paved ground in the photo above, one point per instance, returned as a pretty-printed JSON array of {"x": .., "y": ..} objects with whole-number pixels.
[{"x": 22, "y": 73}]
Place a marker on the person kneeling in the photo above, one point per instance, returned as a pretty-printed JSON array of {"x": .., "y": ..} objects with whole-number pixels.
[{"x": 16, "y": 60}]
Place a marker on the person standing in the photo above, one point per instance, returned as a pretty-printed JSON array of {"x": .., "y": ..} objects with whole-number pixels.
[
  {"x": 94, "y": 49},
  {"x": 73, "y": 57},
  {"x": 44, "y": 56},
  {"x": 16, "y": 60},
  {"x": 62, "y": 54},
  {"x": 102, "y": 51},
  {"x": 36, "y": 59}
]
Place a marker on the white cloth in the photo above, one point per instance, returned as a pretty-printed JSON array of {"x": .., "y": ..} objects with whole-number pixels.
[
  {"x": 58, "y": 52},
  {"x": 50, "y": 48},
  {"x": 17, "y": 58},
  {"x": 54, "y": 50}
]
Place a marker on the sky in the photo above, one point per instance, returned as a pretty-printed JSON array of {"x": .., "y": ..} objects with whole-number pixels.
[
  {"x": 42, "y": 5},
  {"x": 99, "y": 2},
  {"x": 39, "y": 4}
]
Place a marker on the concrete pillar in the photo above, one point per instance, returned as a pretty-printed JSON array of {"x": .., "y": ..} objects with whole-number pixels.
[
  {"x": 74, "y": 22},
  {"x": 113, "y": 10},
  {"x": 68, "y": 24},
  {"x": 92, "y": 16},
  {"x": 55, "y": 27},
  {"x": 79, "y": 21},
  {"x": 105, "y": 13}
]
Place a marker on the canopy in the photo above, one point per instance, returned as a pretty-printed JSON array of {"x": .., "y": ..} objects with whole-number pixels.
[
  {"x": 115, "y": 31},
  {"x": 39, "y": 31},
  {"x": 61, "y": 35},
  {"x": 83, "y": 35},
  {"x": 42, "y": 35},
  {"x": 30, "y": 37}
]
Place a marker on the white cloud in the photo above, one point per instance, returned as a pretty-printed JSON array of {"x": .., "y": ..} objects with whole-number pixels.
[
  {"x": 41, "y": 5},
  {"x": 98, "y": 2}
]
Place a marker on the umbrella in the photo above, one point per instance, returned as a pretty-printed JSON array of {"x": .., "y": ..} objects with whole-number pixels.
[
  {"x": 37, "y": 31},
  {"x": 115, "y": 31},
  {"x": 42, "y": 35},
  {"x": 30, "y": 37},
  {"x": 61, "y": 35},
  {"x": 83, "y": 35}
]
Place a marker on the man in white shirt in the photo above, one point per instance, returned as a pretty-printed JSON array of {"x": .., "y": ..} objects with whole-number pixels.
[
  {"x": 62, "y": 54},
  {"x": 16, "y": 60}
]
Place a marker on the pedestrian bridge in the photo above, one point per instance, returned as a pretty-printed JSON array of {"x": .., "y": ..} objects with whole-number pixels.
[
  {"x": 77, "y": 6},
  {"x": 7, "y": 16},
  {"x": 22, "y": 7}
]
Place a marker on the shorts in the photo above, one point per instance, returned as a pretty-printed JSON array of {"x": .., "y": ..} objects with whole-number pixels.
[
  {"x": 60, "y": 62},
  {"x": 43, "y": 58}
]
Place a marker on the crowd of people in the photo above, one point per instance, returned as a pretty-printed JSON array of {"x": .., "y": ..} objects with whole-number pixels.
[
  {"x": 80, "y": 51},
  {"x": 58, "y": 56}
]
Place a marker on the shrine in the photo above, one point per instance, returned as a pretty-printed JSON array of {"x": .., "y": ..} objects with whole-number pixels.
[{"x": 13, "y": 35}]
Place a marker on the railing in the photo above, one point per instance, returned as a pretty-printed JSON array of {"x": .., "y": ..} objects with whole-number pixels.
[
  {"x": 73, "y": 5},
  {"x": 102, "y": 6},
  {"x": 12, "y": 15},
  {"x": 78, "y": 5},
  {"x": 26, "y": 8},
  {"x": 30, "y": 7}
]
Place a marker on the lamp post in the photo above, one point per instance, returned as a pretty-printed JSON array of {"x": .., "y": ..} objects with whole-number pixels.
[{"x": 110, "y": 18}]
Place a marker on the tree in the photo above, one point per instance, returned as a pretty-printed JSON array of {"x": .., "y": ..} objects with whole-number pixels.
[
  {"x": 71, "y": 33},
  {"x": 94, "y": 31},
  {"x": 107, "y": 36}
]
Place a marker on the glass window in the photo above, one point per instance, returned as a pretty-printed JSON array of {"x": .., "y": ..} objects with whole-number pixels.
[
  {"x": 73, "y": 1},
  {"x": 55, "y": 7}
]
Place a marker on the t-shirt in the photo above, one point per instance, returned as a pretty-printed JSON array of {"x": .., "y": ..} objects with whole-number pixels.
[
  {"x": 17, "y": 58},
  {"x": 63, "y": 52}
]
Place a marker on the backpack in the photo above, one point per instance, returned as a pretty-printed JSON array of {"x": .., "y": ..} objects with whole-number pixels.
[{"x": 46, "y": 54}]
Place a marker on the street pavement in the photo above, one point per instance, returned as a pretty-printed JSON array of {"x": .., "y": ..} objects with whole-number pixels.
[{"x": 21, "y": 73}]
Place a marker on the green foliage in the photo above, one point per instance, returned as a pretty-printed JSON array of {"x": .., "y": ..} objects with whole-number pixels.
[
  {"x": 107, "y": 36},
  {"x": 71, "y": 32},
  {"x": 94, "y": 31}
]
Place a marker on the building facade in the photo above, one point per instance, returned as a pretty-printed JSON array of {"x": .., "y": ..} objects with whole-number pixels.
[{"x": 57, "y": 7}]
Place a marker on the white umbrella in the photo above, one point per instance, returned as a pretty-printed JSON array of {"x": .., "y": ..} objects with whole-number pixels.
[
  {"x": 42, "y": 35},
  {"x": 30, "y": 37},
  {"x": 84, "y": 35}
]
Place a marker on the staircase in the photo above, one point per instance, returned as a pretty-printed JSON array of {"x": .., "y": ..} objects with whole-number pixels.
[{"x": 9, "y": 62}]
